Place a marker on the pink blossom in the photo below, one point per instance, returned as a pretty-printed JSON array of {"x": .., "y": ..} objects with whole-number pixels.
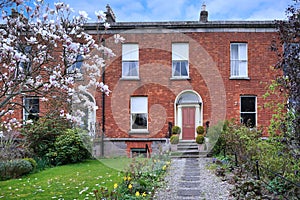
[
  {"x": 118, "y": 38},
  {"x": 100, "y": 15}
]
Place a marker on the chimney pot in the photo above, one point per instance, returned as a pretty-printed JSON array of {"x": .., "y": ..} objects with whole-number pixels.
[{"x": 203, "y": 14}]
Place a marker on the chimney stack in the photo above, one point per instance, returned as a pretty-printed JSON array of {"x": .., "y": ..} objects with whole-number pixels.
[
  {"x": 110, "y": 16},
  {"x": 203, "y": 14}
]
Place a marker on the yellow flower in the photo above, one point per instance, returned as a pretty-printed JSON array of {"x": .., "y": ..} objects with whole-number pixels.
[
  {"x": 144, "y": 194},
  {"x": 129, "y": 186},
  {"x": 164, "y": 167},
  {"x": 125, "y": 178},
  {"x": 115, "y": 185},
  {"x": 128, "y": 178},
  {"x": 137, "y": 194},
  {"x": 168, "y": 162}
]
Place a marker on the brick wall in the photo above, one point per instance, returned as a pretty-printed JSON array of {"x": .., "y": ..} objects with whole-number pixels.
[{"x": 209, "y": 68}]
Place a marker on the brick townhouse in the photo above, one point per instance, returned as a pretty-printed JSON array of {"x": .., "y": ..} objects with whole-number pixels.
[{"x": 183, "y": 73}]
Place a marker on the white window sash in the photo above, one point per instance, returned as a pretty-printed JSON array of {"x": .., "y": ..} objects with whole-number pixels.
[
  {"x": 180, "y": 51},
  {"x": 130, "y": 52}
]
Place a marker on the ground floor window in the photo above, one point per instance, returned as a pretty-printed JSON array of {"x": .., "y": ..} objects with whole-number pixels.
[
  {"x": 139, "y": 113},
  {"x": 31, "y": 108},
  {"x": 248, "y": 110}
]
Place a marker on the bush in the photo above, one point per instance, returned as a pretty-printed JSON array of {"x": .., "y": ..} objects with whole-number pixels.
[
  {"x": 176, "y": 130},
  {"x": 32, "y": 162},
  {"x": 69, "y": 148},
  {"x": 14, "y": 168},
  {"x": 41, "y": 135},
  {"x": 174, "y": 139},
  {"x": 200, "y": 139},
  {"x": 200, "y": 130}
]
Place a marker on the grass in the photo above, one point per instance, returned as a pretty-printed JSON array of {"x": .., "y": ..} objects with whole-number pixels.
[{"x": 75, "y": 181}]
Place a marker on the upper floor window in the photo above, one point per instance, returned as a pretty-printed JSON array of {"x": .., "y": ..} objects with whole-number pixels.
[
  {"x": 139, "y": 113},
  {"x": 31, "y": 108},
  {"x": 248, "y": 110},
  {"x": 130, "y": 60},
  {"x": 180, "y": 60},
  {"x": 238, "y": 60}
]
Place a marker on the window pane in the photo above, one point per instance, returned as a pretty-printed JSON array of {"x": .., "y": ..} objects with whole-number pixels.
[
  {"x": 130, "y": 52},
  {"x": 248, "y": 119},
  {"x": 139, "y": 105},
  {"x": 180, "y": 51},
  {"x": 248, "y": 104},
  {"x": 176, "y": 68},
  {"x": 242, "y": 68},
  {"x": 32, "y": 109},
  {"x": 238, "y": 56},
  {"x": 130, "y": 68},
  {"x": 139, "y": 121},
  {"x": 184, "y": 70},
  {"x": 242, "y": 51}
]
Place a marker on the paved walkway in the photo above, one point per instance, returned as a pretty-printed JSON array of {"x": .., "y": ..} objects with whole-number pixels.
[{"x": 189, "y": 178}]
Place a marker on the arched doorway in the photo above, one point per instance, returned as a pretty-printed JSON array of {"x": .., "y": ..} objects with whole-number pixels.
[{"x": 188, "y": 113}]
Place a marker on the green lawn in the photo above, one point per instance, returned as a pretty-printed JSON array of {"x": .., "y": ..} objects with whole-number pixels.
[{"x": 76, "y": 181}]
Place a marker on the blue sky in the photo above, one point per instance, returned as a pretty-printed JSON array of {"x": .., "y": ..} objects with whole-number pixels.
[
  {"x": 183, "y": 10},
  {"x": 186, "y": 10}
]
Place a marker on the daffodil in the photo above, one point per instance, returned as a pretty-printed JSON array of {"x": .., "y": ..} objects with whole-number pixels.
[
  {"x": 164, "y": 167},
  {"x": 144, "y": 194},
  {"x": 137, "y": 194},
  {"x": 125, "y": 178},
  {"x": 128, "y": 178},
  {"x": 129, "y": 186},
  {"x": 115, "y": 185}
]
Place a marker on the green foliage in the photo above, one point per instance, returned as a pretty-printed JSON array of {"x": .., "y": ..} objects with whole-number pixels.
[
  {"x": 200, "y": 130},
  {"x": 200, "y": 139},
  {"x": 176, "y": 130},
  {"x": 32, "y": 162},
  {"x": 142, "y": 177},
  {"x": 174, "y": 139},
  {"x": 14, "y": 168},
  {"x": 41, "y": 135},
  {"x": 69, "y": 148}
]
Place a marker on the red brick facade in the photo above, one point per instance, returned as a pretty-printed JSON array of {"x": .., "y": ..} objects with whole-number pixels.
[{"x": 209, "y": 76}]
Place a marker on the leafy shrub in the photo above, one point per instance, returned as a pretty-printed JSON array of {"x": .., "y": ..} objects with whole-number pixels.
[
  {"x": 69, "y": 148},
  {"x": 41, "y": 135},
  {"x": 200, "y": 130},
  {"x": 176, "y": 130},
  {"x": 174, "y": 139},
  {"x": 32, "y": 162},
  {"x": 14, "y": 168},
  {"x": 200, "y": 139}
]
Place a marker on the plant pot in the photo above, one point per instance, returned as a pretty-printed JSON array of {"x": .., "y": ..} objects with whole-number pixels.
[
  {"x": 173, "y": 147},
  {"x": 201, "y": 147}
]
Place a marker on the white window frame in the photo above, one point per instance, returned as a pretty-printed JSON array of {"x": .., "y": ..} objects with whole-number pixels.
[
  {"x": 27, "y": 108},
  {"x": 250, "y": 112},
  {"x": 138, "y": 105},
  {"x": 180, "y": 56},
  {"x": 239, "y": 61},
  {"x": 130, "y": 58}
]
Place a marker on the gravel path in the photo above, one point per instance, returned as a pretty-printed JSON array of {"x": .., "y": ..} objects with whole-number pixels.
[{"x": 190, "y": 179}]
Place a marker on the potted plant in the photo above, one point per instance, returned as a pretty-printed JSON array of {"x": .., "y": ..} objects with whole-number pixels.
[
  {"x": 200, "y": 130},
  {"x": 176, "y": 130},
  {"x": 200, "y": 141},
  {"x": 174, "y": 140}
]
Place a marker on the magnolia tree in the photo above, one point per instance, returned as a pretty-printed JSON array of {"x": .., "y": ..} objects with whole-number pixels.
[
  {"x": 289, "y": 63},
  {"x": 40, "y": 48}
]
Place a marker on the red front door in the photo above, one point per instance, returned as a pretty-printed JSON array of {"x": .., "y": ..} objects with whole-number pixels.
[{"x": 188, "y": 123}]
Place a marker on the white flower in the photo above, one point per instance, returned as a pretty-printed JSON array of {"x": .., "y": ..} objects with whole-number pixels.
[
  {"x": 118, "y": 38},
  {"x": 44, "y": 99},
  {"x": 100, "y": 15},
  {"x": 29, "y": 121},
  {"x": 106, "y": 25},
  {"x": 83, "y": 14}
]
